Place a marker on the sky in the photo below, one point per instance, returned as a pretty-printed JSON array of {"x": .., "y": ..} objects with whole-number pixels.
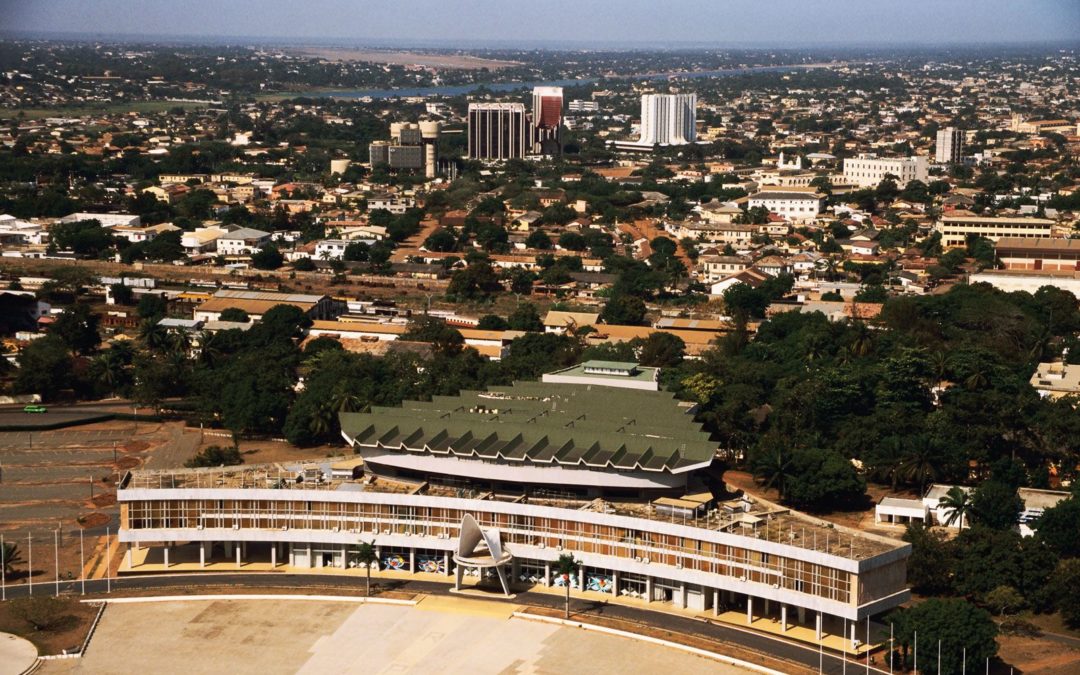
[{"x": 765, "y": 23}]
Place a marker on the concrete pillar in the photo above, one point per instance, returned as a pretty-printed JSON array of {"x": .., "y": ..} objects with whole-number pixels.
[
  {"x": 238, "y": 549},
  {"x": 412, "y": 561},
  {"x": 581, "y": 578},
  {"x": 446, "y": 561},
  {"x": 457, "y": 577},
  {"x": 766, "y": 606},
  {"x": 648, "y": 589},
  {"x": 818, "y": 629},
  {"x": 166, "y": 557},
  {"x": 749, "y": 609},
  {"x": 682, "y": 595},
  {"x": 202, "y": 555},
  {"x": 802, "y": 615},
  {"x": 228, "y": 549},
  {"x": 614, "y": 584},
  {"x": 783, "y": 618},
  {"x": 130, "y": 555},
  {"x": 853, "y": 638},
  {"x": 547, "y": 573},
  {"x": 273, "y": 556},
  {"x": 715, "y": 602}
]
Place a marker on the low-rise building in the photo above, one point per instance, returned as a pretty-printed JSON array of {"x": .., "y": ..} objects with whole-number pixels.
[
  {"x": 796, "y": 205},
  {"x": 1056, "y": 255},
  {"x": 955, "y": 229},
  {"x": 244, "y": 241}
]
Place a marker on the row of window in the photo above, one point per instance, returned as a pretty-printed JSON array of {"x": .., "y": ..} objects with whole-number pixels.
[{"x": 589, "y": 538}]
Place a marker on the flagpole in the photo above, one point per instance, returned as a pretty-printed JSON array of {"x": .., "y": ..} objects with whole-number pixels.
[
  {"x": 29, "y": 563},
  {"x": 56, "y": 559},
  {"x": 82, "y": 563}
]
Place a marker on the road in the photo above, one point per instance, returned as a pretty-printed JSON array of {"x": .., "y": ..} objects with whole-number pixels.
[{"x": 779, "y": 653}]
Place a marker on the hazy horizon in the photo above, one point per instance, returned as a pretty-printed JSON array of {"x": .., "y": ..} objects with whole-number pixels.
[{"x": 559, "y": 23}]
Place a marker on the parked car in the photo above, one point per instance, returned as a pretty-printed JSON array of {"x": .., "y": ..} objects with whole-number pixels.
[{"x": 35, "y": 409}]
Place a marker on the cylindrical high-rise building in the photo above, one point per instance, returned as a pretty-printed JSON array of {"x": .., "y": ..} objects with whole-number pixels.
[
  {"x": 497, "y": 131},
  {"x": 429, "y": 134}
]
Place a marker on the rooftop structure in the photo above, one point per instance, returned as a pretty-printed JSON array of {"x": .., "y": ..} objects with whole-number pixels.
[
  {"x": 585, "y": 439},
  {"x": 607, "y": 374}
]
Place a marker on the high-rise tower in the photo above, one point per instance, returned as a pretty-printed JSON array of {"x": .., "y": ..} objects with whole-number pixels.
[
  {"x": 497, "y": 131},
  {"x": 547, "y": 104},
  {"x": 668, "y": 119}
]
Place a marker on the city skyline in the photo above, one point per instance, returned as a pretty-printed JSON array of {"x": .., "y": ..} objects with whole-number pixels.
[{"x": 736, "y": 23}]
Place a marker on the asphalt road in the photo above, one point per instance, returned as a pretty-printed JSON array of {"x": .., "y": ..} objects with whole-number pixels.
[{"x": 780, "y": 654}]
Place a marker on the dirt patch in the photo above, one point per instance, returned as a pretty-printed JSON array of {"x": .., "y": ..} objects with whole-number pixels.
[
  {"x": 70, "y": 633},
  {"x": 1038, "y": 655},
  {"x": 101, "y": 501},
  {"x": 93, "y": 520},
  {"x": 136, "y": 446},
  {"x": 127, "y": 463}
]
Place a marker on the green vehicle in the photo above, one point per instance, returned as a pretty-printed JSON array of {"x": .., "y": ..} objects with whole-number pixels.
[{"x": 35, "y": 409}]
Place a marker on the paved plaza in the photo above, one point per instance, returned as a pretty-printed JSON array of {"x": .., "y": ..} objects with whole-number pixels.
[{"x": 440, "y": 635}]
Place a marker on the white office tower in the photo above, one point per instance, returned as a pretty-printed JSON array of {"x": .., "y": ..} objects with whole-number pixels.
[
  {"x": 950, "y": 146},
  {"x": 498, "y": 131},
  {"x": 668, "y": 119}
]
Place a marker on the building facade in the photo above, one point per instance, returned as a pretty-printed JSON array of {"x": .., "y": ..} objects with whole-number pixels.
[
  {"x": 793, "y": 205},
  {"x": 949, "y": 148},
  {"x": 498, "y": 131},
  {"x": 768, "y": 564},
  {"x": 1055, "y": 255},
  {"x": 547, "y": 104},
  {"x": 869, "y": 170},
  {"x": 955, "y": 230},
  {"x": 668, "y": 119}
]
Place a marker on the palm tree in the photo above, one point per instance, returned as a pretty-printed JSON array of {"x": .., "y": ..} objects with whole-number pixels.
[
  {"x": 920, "y": 462},
  {"x": 940, "y": 363},
  {"x": 365, "y": 555},
  {"x": 958, "y": 506},
  {"x": 566, "y": 566},
  {"x": 773, "y": 469},
  {"x": 10, "y": 556},
  {"x": 863, "y": 342}
]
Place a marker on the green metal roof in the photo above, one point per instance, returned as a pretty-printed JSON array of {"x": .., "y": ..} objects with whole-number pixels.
[{"x": 566, "y": 424}]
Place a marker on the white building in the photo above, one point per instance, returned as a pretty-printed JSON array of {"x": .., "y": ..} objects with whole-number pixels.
[
  {"x": 106, "y": 219},
  {"x": 331, "y": 249},
  {"x": 668, "y": 119},
  {"x": 869, "y": 170},
  {"x": 792, "y": 204},
  {"x": 949, "y": 148},
  {"x": 244, "y": 241}
]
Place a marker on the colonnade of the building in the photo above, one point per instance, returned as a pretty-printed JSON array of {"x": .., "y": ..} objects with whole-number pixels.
[{"x": 523, "y": 571}]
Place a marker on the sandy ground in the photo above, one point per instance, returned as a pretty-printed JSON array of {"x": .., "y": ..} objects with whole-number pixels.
[
  {"x": 438, "y": 635},
  {"x": 1035, "y": 655},
  {"x": 450, "y": 61}
]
